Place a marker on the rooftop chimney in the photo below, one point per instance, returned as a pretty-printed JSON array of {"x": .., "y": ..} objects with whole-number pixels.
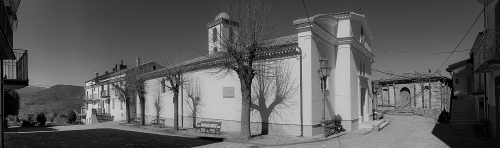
[
  {"x": 122, "y": 62},
  {"x": 116, "y": 68},
  {"x": 138, "y": 61}
]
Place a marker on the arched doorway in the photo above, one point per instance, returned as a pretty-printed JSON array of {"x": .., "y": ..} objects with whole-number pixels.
[{"x": 404, "y": 96}]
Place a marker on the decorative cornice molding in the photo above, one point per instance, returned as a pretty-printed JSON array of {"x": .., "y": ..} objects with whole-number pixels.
[
  {"x": 357, "y": 47},
  {"x": 221, "y": 20},
  {"x": 324, "y": 35},
  {"x": 355, "y": 16}
]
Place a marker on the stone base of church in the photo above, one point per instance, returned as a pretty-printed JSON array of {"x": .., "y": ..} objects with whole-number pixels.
[{"x": 350, "y": 125}]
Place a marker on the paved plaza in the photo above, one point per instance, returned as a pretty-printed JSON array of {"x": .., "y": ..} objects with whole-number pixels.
[
  {"x": 98, "y": 136},
  {"x": 404, "y": 131},
  {"x": 408, "y": 132}
]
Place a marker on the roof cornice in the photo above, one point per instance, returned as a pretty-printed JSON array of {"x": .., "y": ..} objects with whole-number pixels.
[
  {"x": 355, "y": 16},
  {"x": 358, "y": 47}
]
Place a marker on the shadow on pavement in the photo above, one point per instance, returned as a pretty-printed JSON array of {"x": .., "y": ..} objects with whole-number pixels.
[
  {"x": 104, "y": 137},
  {"x": 461, "y": 136},
  {"x": 30, "y": 129}
]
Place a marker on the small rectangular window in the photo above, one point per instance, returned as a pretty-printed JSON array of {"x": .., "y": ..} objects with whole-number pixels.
[
  {"x": 121, "y": 105},
  {"x": 456, "y": 81},
  {"x": 228, "y": 92},
  {"x": 113, "y": 102}
]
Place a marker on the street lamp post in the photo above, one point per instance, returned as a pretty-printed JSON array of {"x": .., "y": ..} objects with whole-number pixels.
[{"x": 324, "y": 73}]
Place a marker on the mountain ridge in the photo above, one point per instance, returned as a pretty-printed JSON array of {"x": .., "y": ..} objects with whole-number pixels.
[{"x": 58, "y": 98}]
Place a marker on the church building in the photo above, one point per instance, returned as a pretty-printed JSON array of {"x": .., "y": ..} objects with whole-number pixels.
[{"x": 289, "y": 97}]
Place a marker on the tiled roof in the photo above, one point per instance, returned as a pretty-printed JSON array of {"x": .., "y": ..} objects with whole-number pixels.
[
  {"x": 457, "y": 65},
  {"x": 278, "y": 45},
  {"x": 286, "y": 40},
  {"x": 340, "y": 13},
  {"x": 410, "y": 77},
  {"x": 282, "y": 41}
]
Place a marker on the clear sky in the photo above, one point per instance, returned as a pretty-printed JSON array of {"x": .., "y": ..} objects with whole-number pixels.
[{"x": 68, "y": 39}]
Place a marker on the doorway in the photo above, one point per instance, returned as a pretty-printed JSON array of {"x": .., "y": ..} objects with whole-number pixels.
[{"x": 404, "y": 96}]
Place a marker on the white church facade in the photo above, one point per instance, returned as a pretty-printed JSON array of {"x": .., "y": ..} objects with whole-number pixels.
[{"x": 342, "y": 38}]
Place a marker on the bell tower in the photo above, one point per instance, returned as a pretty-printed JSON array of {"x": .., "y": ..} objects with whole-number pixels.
[{"x": 220, "y": 32}]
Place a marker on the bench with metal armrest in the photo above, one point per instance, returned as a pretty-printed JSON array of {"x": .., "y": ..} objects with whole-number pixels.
[
  {"x": 208, "y": 126},
  {"x": 160, "y": 123}
]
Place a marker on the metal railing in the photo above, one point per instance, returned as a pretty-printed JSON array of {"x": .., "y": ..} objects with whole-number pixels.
[
  {"x": 104, "y": 93},
  {"x": 18, "y": 68},
  {"x": 92, "y": 97}
]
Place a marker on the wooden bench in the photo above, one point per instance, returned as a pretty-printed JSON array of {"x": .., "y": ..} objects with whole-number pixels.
[
  {"x": 208, "y": 125},
  {"x": 331, "y": 127},
  {"x": 136, "y": 121},
  {"x": 160, "y": 123}
]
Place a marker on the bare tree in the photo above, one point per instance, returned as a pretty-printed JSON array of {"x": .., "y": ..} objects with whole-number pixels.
[
  {"x": 195, "y": 94},
  {"x": 158, "y": 105},
  {"x": 173, "y": 73},
  {"x": 252, "y": 25},
  {"x": 273, "y": 92},
  {"x": 130, "y": 86}
]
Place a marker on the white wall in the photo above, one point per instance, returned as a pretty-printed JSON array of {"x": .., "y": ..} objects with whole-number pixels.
[{"x": 215, "y": 106}]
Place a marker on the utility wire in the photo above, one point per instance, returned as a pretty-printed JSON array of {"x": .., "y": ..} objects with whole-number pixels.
[
  {"x": 460, "y": 42},
  {"x": 410, "y": 53}
]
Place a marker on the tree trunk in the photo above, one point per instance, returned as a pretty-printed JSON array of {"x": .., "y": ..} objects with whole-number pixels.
[
  {"x": 176, "y": 111},
  {"x": 143, "y": 109},
  {"x": 127, "y": 107},
  {"x": 246, "y": 101},
  {"x": 194, "y": 114},
  {"x": 264, "y": 118}
]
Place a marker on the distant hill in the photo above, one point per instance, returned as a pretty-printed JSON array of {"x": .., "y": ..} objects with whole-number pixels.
[
  {"x": 58, "y": 97},
  {"x": 30, "y": 89}
]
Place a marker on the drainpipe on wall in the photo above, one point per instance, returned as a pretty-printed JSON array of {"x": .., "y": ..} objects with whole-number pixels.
[
  {"x": 182, "y": 104},
  {"x": 301, "y": 94}
]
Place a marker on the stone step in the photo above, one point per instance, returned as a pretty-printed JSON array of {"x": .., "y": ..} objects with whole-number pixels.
[
  {"x": 463, "y": 107},
  {"x": 462, "y": 115},
  {"x": 463, "y": 122},
  {"x": 463, "y": 118}
]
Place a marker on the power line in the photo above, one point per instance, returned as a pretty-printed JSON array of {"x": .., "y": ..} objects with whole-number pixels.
[
  {"x": 305, "y": 9},
  {"x": 460, "y": 41},
  {"x": 410, "y": 53}
]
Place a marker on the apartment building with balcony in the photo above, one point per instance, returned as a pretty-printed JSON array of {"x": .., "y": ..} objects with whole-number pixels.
[
  {"x": 14, "y": 62},
  {"x": 103, "y": 99}
]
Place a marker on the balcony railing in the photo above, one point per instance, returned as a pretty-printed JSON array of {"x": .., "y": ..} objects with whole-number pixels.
[
  {"x": 91, "y": 97},
  {"x": 486, "y": 53},
  {"x": 104, "y": 93},
  {"x": 18, "y": 68}
]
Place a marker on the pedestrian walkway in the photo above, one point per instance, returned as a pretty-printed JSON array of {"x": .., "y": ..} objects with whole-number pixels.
[{"x": 408, "y": 131}]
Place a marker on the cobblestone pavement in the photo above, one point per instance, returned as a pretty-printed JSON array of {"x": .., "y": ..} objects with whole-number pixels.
[
  {"x": 409, "y": 131},
  {"x": 97, "y": 135}
]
